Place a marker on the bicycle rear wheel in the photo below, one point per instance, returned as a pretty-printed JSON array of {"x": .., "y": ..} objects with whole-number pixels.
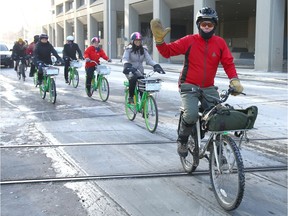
[
  {"x": 104, "y": 89},
  {"x": 130, "y": 109},
  {"x": 74, "y": 78},
  {"x": 191, "y": 161},
  {"x": 52, "y": 91},
  {"x": 151, "y": 114},
  {"x": 228, "y": 181}
]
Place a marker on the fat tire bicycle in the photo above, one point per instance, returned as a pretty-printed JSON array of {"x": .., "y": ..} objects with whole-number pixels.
[
  {"x": 48, "y": 82},
  {"x": 100, "y": 82},
  {"x": 226, "y": 167},
  {"x": 73, "y": 74},
  {"x": 144, "y": 102}
]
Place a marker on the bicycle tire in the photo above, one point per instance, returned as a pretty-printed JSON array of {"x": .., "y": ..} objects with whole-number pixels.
[
  {"x": 191, "y": 161},
  {"x": 22, "y": 71},
  {"x": 42, "y": 91},
  {"x": 151, "y": 114},
  {"x": 130, "y": 109},
  {"x": 52, "y": 91},
  {"x": 74, "y": 78},
  {"x": 104, "y": 89},
  {"x": 35, "y": 78},
  {"x": 228, "y": 184}
]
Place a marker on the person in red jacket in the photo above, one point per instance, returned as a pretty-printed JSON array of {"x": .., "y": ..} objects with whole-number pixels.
[
  {"x": 203, "y": 52},
  {"x": 29, "y": 52},
  {"x": 93, "y": 53}
]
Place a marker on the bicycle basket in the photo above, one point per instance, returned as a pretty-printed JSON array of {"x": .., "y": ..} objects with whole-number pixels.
[
  {"x": 149, "y": 85},
  {"x": 103, "y": 69},
  {"x": 50, "y": 70},
  {"x": 75, "y": 64}
]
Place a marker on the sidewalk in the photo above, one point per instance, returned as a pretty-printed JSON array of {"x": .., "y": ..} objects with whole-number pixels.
[{"x": 244, "y": 73}]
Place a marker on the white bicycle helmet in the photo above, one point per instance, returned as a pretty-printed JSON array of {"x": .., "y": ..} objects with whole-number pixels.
[{"x": 70, "y": 38}]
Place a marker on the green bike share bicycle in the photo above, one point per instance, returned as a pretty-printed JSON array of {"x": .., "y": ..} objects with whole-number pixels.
[
  {"x": 73, "y": 75},
  {"x": 144, "y": 102},
  {"x": 48, "y": 83},
  {"x": 99, "y": 81}
]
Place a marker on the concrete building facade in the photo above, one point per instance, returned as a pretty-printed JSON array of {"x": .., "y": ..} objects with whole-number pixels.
[{"x": 255, "y": 30}]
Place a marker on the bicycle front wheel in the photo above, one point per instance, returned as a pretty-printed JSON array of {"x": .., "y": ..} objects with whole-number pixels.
[
  {"x": 42, "y": 91},
  {"x": 74, "y": 78},
  {"x": 52, "y": 91},
  {"x": 151, "y": 114},
  {"x": 35, "y": 78},
  {"x": 227, "y": 173},
  {"x": 130, "y": 109},
  {"x": 104, "y": 89},
  {"x": 22, "y": 71}
]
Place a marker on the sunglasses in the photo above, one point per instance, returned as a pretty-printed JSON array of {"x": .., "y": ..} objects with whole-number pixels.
[{"x": 204, "y": 24}]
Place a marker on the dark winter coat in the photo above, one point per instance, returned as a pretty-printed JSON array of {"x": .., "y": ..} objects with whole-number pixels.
[
  {"x": 70, "y": 51},
  {"x": 43, "y": 53}
]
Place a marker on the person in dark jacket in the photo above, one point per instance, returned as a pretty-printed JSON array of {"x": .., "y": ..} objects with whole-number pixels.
[
  {"x": 203, "y": 52},
  {"x": 42, "y": 55},
  {"x": 29, "y": 52},
  {"x": 69, "y": 53},
  {"x": 19, "y": 50}
]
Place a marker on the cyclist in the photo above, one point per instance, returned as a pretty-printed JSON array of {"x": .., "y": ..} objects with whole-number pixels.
[
  {"x": 134, "y": 55},
  {"x": 69, "y": 52},
  {"x": 19, "y": 50},
  {"x": 203, "y": 53},
  {"x": 29, "y": 52},
  {"x": 93, "y": 53},
  {"x": 42, "y": 55}
]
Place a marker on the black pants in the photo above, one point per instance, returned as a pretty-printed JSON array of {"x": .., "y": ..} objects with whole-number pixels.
[
  {"x": 132, "y": 83},
  {"x": 32, "y": 69},
  {"x": 89, "y": 77},
  {"x": 66, "y": 68}
]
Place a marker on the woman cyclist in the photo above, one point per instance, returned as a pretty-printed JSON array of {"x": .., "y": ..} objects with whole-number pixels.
[
  {"x": 93, "y": 53},
  {"x": 134, "y": 55}
]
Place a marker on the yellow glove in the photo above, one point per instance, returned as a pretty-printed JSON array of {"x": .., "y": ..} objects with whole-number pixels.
[
  {"x": 235, "y": 83},
  {"x": 158, "y": 31}
]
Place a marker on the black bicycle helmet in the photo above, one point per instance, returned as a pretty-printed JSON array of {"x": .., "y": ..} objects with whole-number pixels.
[
  {"x": 206, "y": 13},
  {"x": 43, "y": 35}
]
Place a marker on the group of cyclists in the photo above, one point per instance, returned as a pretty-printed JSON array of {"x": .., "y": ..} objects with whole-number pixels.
[{"x": 203, "y": 52}]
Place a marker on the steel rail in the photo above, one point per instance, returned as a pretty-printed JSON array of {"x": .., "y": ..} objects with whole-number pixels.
[
  {"x": 132, "y": 176},
  {"x": 118, "y": 143}
]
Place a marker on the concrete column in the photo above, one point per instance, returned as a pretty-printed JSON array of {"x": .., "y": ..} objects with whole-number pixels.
[
  {"x": 92, "y": 26},
  {"x": 79, "y": 34},
  {"x": 162, "y": 11},
  {"x": 199, "y": 4},
  {"x": 59, "y": 36},
  {"x": 269, "y": 35},
  {"x": 131, "y": 20},
  {"x": 68, "y": 30},
  {"x": 110, "y": 27}
]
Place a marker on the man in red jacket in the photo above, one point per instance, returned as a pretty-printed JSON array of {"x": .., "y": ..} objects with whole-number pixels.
[
  {"x": 203, "y": 53},
  {"x": 93, "y": 53}
]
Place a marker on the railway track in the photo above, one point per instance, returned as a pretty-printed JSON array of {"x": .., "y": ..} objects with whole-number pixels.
[{"x": 133, "y": 176}]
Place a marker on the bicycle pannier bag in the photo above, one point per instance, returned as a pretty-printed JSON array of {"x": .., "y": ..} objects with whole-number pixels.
[{"x": 225, "y": 118}]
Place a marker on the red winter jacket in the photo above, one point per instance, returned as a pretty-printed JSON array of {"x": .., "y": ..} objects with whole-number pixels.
[
  {"x": 94, "y": 54},
  {"x": 201, "y": 58}
]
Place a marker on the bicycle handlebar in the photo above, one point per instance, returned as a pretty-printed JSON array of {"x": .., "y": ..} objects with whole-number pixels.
[{"x": 211, "y": 99}]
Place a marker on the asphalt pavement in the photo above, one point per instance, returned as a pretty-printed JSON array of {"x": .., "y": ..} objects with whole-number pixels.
[{"x": 72, "y": 126}]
